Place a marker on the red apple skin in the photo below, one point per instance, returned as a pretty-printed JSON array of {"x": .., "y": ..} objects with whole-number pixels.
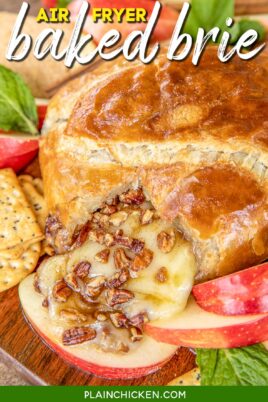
[
  {"x": 162, "y": 31},
  {"x": 197, "y": 328},
  {"x": 244, "y": 292},
  {"x": 49, "y": 3},
  {"x": 100, "y": 371},
  {"x": 16, "y": 152},
  {"x": 213, "y": 338}
]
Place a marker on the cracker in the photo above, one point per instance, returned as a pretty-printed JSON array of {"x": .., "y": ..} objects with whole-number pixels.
[
  {"x": 35, "y": 199},
  {"x": 190, "y": 378},
  {"x": 14, "y": 271},
  {"x": 18, "y": 225}
]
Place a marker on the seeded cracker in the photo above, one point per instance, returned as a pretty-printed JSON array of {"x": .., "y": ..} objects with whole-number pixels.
[
  {"x": 36, "y": 199},
  {"x": 18, "y": 225},
  {"x": 190, "y": 378},
  {"x": 33, "y": 189},
  {"x": 13, "y": 272}
]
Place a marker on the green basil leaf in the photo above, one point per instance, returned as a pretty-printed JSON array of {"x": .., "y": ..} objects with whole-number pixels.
[
  {"x": 17, "y": 105},
  {"x": 245, "y": 24},
  {"x": 241, "y": 366}
]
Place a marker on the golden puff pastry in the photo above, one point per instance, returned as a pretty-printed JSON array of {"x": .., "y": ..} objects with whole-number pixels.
[{"x": 194, "y": 137}]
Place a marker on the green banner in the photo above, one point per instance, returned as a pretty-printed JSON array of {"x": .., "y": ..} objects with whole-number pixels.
[{"x": 191, "y": 394}]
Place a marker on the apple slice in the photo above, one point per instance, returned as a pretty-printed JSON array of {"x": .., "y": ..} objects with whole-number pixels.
[
  {"x": 17, "y": 149},
  {"x": 147, "y": 357},
  {"x": 197, "y": 328},
  {"x": 244, "y": 292}
]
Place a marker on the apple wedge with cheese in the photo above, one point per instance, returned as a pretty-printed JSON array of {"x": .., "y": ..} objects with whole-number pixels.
[{"x": 124, "y": 269}]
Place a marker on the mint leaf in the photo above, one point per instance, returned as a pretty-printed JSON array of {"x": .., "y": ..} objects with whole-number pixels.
[
  {"x": 241, "y": 366},
  {"x": 209, "y": 14},
  {"x": 245, "y": 24},
  {"x": 213, "y": 13},
  {"x": 63, "y": 3},
  {"x": 17, "y": 105}
]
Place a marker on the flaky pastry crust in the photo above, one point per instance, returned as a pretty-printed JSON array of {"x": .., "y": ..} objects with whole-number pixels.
[{"x": 196, "y": 139}]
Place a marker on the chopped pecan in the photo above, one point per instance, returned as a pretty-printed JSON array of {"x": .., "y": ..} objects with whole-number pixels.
[
  {"x": 96, "y": 235},
  {"x": 109, "y": 209},
  {"x": 71, "y": 281},
  {"x": 118, "y": 218},
  {"x": 81, "y": 235},
  {"x": 100, "y": 316},
  {"x": 166, "y": 240},
  {"x": 113, "y": 201},
  {"x": 142, "y": 260},
  {"x": 118, "y": 279},
  {"x": 121, "y": 260},
  {"x": 139, "y": 320},
  {"x": 53, "y": 225},
  {"x": 95, "y": 285},
  {"x": 119, "y": 320},
  {"x": 118, "y": 296},
  {"x": 108, "y": 240},
  {"x": 72, "y": 315},
  {"x": 135, "y": 245},
  {"x": 45, "y": 302},
  {"x": 81, "y": 270},
  {"x": 101, "y": 219},
  {"x": 147, "y": 217},
  {"x": 61, "y": 292},
  {"x": 103, "y": 256},
  {"x": 135, "y": 334},
  {"x": 132, "y": 197},
  {"x": 36, "y": 284},
  {"x": 162, "y": 275},
  {"x": 77, "y": 335}
]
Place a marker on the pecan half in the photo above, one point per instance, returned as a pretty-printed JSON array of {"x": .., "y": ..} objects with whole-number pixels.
[
  {"x": 103, "y": 256},
  {"x": 118, "y": 296},
  {"x": 166, "y": 240},
  {"x": 118, "y": 279},
  {"x": 162, "y": 275},
  {"x": 77, "y": 335},
  {"x": 81, "y": 270},
  {"x": 119, "y": 320},
  {"x": 121, "y": 260},
  {"x": 135, "y": 334},
  {"x": 132, "y": 197},
  {"x": 71, "y": 314},
  {"x": 142, "y": 260},
  {"x": 61, "y": 292}
]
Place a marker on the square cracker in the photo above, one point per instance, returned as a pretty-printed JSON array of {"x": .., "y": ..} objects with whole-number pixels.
[
  {"x": 18, "y": 225},
  {"x": 13, "y": 271}
]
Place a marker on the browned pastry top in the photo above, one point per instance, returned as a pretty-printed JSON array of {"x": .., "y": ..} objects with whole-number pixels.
[{"x": 171, "y": 100}]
